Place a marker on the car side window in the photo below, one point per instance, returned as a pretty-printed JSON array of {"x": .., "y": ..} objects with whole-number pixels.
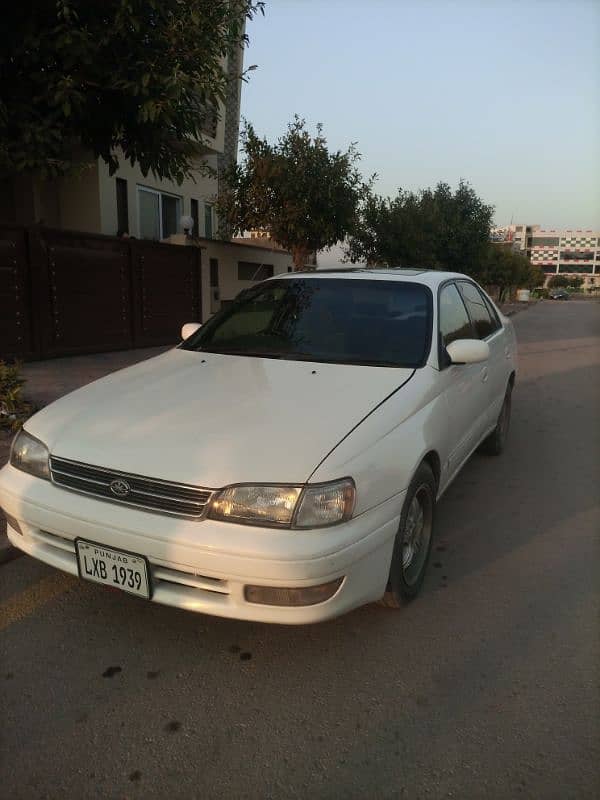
[
  {"x": 483, "y": 322},
  {"x": 454, "y": 320}
]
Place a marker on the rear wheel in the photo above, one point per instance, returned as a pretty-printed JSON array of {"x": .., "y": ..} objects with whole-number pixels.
[
  {"x": 413, "y": 541},
  {"x": 496, "y": 441}
]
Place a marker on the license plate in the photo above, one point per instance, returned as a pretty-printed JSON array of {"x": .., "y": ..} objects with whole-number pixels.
[{"x": 110, "y": 567}]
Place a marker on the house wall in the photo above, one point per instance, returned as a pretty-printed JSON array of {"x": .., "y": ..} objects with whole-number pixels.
[
  {"x": 203, "y": 189},
  {"x": 79, "y": 201},
  {"x": 228, "y": 256},
  {"x": 69, "y": 203}
]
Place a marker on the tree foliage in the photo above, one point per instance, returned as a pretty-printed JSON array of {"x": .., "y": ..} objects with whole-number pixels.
[
  {"x": 439, "y": 229},
  {"x": 506, "y": 269},
  {"x": 305, "y": 196},
  {"x": 14, "y": 409},
  {"x": 132, "y": 74},
  {"x": 434, "y": 228},
  {"x": 562, "y": 281}
]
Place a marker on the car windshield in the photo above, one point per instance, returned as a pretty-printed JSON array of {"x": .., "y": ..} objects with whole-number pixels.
[{"x": 340, "y": 321}]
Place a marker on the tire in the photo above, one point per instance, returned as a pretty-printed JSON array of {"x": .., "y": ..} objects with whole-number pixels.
[
  {"x": 496, "y": 442},
  {"x": 409, "y": 563}
]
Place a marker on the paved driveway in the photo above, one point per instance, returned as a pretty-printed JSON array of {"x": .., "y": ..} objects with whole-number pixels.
[{"x": 486, "y": 687}]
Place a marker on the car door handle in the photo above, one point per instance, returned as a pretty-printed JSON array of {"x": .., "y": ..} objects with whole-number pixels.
[{"x": 484, "y": 374}]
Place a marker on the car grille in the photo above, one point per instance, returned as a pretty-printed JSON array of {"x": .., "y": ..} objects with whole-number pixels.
[{"x": 149, "y": 493}]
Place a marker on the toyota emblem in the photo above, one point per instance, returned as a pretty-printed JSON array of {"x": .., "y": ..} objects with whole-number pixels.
[{"x": 120, "y": 488}]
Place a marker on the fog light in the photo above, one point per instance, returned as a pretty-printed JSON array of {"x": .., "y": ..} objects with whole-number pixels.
[
  {"x": 296, "y": 596},
  {"x": 13, "y": 523}
]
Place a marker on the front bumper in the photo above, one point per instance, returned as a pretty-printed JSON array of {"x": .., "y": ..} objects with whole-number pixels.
[{"x": 204, "y": 565}]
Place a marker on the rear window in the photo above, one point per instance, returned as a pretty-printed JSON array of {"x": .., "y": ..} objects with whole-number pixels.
[{"x": 378, "y": 323}]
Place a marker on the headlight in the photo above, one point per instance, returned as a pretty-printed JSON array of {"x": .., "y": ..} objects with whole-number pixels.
[
  {"x": 326, "y": 504},
  {"x": 256, "y": 505},
  {"x": 30, "y": 455},
  {"x": 313, "y": 506}
]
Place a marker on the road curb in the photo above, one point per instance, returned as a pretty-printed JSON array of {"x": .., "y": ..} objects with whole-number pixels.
[{"x": 510, "y": 309}]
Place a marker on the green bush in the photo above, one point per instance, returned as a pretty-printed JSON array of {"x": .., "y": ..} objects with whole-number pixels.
[
  {"x": 14, "y": 409},
  {"x": 540, "y": 292}
]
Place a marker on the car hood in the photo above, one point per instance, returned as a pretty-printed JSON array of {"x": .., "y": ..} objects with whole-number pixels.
[{"x": 210, "y": 419}]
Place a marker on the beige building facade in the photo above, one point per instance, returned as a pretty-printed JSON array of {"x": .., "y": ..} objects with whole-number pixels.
[{"x": 565, "y": 252}]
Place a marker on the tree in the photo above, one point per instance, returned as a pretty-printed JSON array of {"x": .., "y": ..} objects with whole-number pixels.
[
  {"x": 562, "y": 281},
  {"x": 507, "y": 270},
  {"x": 303, "y": 195},
  {"x": 536, "y": 277},
  {"x": 435, "y": 228},
  {"x": 139, "y": 75}
]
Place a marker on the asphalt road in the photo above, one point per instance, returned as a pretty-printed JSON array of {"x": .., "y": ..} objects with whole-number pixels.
[{"x": 486, "y": 687}]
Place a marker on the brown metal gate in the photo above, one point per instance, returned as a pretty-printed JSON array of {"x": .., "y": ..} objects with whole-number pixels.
[
  {"x": 63, "y": 293},
  {"x": 166, "y": 286},
  {"x": 16, "y": 335}
]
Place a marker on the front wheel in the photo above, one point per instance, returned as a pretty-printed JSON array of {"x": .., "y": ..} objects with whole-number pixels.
[{"x": 413, "y": 541}]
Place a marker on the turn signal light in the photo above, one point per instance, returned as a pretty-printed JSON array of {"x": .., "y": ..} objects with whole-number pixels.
[{"x": 296, "y": 596}]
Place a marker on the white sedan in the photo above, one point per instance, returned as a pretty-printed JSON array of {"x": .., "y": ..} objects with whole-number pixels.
[{"x": 283, "y": 463}]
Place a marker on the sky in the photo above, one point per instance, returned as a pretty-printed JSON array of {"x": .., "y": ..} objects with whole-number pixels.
[{"x": 503, "y": 94}]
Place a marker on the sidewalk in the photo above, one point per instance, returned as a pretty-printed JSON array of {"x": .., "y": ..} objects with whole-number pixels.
[{"x": 49, "y": 380}]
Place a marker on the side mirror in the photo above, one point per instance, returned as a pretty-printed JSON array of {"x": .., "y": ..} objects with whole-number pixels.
[
  {"x": 468, "y": 351},
  {"x": 188, "y": 329}
]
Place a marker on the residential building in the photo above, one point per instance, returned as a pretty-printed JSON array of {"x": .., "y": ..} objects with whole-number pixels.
[
  {"x": 568, "y": 252},
  {"x": 147, "y": 207}
]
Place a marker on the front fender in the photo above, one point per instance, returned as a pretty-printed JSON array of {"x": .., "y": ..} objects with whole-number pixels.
[{"x": 383, "y": 453}]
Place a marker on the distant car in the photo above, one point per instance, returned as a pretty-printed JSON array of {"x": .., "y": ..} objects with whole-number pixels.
[
  {"x": 282, "y": 464},
  {"x": 559, "y": 294}
]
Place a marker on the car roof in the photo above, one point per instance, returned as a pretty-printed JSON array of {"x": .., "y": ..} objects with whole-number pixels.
[{"x": 429, "y": 277}]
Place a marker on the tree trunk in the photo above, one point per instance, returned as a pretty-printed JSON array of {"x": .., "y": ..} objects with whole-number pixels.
[{"x": 299, "y": 255}]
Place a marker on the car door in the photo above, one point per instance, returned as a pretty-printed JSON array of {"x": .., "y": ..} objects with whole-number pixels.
[
  {"x": 487, "y": 326},
  {"x": 464, "y": 386}
]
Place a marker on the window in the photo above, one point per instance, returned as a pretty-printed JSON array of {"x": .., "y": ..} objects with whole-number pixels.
[
  {"x": 208, "y": 221},
  {"x": 122, "y": 206},
  {"x": 254, "y": 271},
  {"x": 214, "y": 272},
  {"x": 454, "y": 320},
  {"x": 546, "y": 241},
  {"x": 483, "y": 322},
  {"x": 159, "y": 213},
  {"x": 577, "y": 255},
  {"x": 375, "y": 323},
  {"x": 170, "y": 214},
  {"x": 195, "y": 217},
  {"x": 575, "y": 267}
]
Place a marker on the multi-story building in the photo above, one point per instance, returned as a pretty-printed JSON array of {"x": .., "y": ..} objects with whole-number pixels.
[
  {"x": 568, "y": 252},
  {"x": 92, "y": 200},
  {"x": 148, "y": 207}
]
